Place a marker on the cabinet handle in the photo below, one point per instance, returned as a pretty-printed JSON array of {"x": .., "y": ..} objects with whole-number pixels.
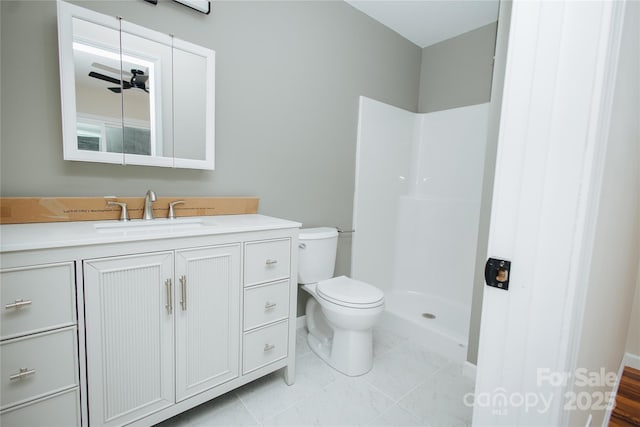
[
  {"x": 268, "y": 347},
  {"x": 169, "y": 306},
  {"x": 269, "y": 305},
  {"x": 271, "y": 261},
  {"x": 183, "y": 288},
  {"x": 24, "y": 372},
  {"x": 18, "y": 303}
]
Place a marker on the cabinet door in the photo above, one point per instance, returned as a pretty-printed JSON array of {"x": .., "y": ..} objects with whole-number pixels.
[
  {"x": 207, "y": 318},
  {"x": 129, "y": 333}
]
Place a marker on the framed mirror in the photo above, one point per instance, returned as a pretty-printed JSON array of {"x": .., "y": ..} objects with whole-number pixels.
[{"x": 133, "y": 96}]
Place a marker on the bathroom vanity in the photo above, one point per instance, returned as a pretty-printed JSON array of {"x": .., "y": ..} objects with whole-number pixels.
[{"x": 112, "y": 323}]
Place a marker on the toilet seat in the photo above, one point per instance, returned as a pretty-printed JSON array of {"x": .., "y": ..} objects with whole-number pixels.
[{"x": 349, "y": 292}]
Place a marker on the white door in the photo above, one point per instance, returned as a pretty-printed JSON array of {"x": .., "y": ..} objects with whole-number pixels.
[
  {"x": 129, "y": 334},
  {"x": 555, "y": 147},
  {"x": 207, "y": 296}
]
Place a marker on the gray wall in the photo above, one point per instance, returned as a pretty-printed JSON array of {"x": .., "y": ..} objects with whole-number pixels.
[
  {"x": 457, "y": 72},
  {"x": 288, "y": 77}
]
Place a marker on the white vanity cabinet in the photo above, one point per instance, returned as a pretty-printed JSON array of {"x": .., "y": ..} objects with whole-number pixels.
[
  {"x": 207, "y": 311},
  {"x": 129, "y": 336},
  {"x": 38, "y": 345},
  {"x": 165, "y": 321},
  {"x": 138, "y": 309},
  {"x": 266, "y": 281}
]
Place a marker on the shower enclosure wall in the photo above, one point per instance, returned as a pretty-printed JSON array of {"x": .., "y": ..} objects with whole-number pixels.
[{"x": 416, "y": 213}]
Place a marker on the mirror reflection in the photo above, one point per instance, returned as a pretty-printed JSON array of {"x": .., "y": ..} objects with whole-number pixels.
[
  {"x": 190, "y": 120},
  {"x": 147, "y": 96},
  {"x": 131, "y": 95},
  {"x": 114, "y": 103}
]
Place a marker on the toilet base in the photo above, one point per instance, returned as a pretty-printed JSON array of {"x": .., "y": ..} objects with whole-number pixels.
[{"x": 349, "y": 352}]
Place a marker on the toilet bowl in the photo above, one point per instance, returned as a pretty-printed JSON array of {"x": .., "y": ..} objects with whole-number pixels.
[{"x": 341, "y": 311}]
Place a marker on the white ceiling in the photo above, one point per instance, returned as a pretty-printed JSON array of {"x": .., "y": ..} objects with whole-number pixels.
[{"x": 425, "y": 22}]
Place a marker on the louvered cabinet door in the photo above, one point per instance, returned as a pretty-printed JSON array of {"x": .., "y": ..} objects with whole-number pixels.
[
  {"x": 129, "y": 331},
  {"x": 207, "y": 295}
]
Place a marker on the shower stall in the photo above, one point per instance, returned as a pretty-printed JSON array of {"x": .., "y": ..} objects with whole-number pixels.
[{"x": 416, "y": 213}]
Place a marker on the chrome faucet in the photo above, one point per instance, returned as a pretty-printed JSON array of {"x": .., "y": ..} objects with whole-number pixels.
[{"x": 149, "y": 198}]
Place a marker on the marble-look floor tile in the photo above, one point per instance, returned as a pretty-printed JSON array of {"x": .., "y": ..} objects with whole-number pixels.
[
  {"x": 384, "y": 341},
  {"x": 180, "y": 420},
  {"x": 346, "y": 402},
  {"x": 403, "y": 368},
  {"x": 440, "y": 400},
  {"x": 409, "y": 385},
  {"x": 395, "y": 416},
  {"x": 270, "y": 395},
  {"x": 223, "y": 411}
]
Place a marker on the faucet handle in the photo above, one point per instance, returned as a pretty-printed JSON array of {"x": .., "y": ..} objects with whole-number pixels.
[
  {"x": 124, "y": 214},
  {"x": 172, "y": 214}
]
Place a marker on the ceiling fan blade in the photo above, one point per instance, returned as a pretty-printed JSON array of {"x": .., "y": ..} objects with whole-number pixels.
[
  {"x": 103, "y": 77},
  {"x": 113, "y": 70},
  {"x": 125, "y": 86}
]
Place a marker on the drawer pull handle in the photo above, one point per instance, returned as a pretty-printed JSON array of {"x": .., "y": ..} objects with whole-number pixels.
[
  {"x": 271, "y": 261},
  {"x": 183, "y": 287},
  {"x": 169, "y": 305},
  {"x": 269, "y": 305},
  {"x": 24, "y": 372},
  {"x": 18, "y": 303},
  {"x": 268, "y": 347}
]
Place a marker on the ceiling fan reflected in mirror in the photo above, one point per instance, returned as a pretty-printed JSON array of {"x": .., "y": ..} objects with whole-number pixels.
[{"x": 137, "y": 78}]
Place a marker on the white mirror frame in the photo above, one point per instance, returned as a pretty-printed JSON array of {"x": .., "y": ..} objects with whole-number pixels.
[{"x": 66, "y": 12}]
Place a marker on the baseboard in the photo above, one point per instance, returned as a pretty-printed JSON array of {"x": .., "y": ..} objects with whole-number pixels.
[
  {"x": 469, "y": 370},
  {"x": 301, "y": 321},
  {"x": 632, "y": 360}
]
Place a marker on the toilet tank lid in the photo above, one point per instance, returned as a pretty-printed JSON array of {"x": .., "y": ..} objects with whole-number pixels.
[{"x": 317, "y": 233}]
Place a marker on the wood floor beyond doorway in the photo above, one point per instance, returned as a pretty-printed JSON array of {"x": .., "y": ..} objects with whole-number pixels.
[{"x": 627, "y": 410}]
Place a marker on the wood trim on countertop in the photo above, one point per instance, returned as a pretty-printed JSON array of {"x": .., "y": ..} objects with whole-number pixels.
[{"x": 22, "y": 210}]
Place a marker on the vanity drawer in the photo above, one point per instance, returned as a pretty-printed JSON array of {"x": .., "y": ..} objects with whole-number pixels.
[
  {"x": 63, "y": 409},
  {"x": 47, "y": 362},
  {"x": 265, "y": 304},
  {"x": 264, "y": 346},
  {"x": 266, "y": 261},
  {"x": 36, "y": 298}
]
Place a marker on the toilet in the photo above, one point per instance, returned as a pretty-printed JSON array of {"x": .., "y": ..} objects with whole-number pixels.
[{"x": 341, "y": 311}]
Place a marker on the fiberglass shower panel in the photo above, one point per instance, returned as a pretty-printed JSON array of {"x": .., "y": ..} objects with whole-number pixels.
[
  {"x": 417, "y": 203},
  {"x": 385, "y": 136}
]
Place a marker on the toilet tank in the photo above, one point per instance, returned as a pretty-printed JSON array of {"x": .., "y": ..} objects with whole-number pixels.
[{"x": 316, "y": 254}]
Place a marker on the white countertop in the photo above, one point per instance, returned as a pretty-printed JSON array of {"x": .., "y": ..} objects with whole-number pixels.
[{"x": 20, "y": 237}]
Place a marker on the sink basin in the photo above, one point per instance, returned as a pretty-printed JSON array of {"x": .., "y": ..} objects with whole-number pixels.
[{"x": 159, "y": 224}]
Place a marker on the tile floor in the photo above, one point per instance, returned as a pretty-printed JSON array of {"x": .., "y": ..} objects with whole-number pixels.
[{"x": 408, "y": 386}]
